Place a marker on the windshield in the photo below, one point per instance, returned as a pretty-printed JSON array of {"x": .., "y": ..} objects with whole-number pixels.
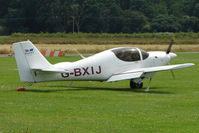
[
  {"x": 144, "y": 54},
  {"x": 127, "y": 54}
]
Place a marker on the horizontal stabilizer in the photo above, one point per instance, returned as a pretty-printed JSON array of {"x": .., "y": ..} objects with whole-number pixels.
[{"x": 58, "y": 70}]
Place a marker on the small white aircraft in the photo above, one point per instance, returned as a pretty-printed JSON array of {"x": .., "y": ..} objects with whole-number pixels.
[{"x": 123, "y": 63}]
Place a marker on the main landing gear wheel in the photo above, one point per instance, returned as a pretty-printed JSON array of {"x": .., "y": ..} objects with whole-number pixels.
[{"x": 134, "y": 85}]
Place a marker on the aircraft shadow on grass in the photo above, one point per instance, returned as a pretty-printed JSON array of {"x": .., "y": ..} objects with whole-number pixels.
[{"x": 75, "y": 88}]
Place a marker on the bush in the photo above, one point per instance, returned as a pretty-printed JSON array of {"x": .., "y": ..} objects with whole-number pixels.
[{"x": 3, "y": 30}]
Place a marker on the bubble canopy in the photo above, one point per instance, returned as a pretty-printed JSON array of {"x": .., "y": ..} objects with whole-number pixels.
[{"x": 130, "y": 54}]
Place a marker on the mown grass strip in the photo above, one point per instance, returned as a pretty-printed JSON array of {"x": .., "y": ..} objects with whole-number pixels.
[{"x": 170, "y": 106}]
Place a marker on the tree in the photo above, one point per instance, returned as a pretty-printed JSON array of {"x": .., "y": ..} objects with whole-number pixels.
[
  {"x": 48, "y": 15},
  {"x": 144, "y": 6},
  {"x": 15, "y": 17},
  {"x": 112, "y": 16},
  {"x": 190, "y": 24},
  {"x": 78, "y": 9},
  {"x": 188, "y": 6},
  {"x": 196, "y": 10},
  {"x": 133, "y": 21},
  {"x": 125, "y": 4},
  {"x": 165, "y": 23}
]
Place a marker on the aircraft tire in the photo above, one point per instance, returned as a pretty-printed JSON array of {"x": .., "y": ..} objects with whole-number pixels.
[{"x": 134, "y": 85}]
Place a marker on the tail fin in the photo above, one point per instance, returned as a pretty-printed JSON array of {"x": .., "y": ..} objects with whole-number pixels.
[{"x": 28, "y": 57}]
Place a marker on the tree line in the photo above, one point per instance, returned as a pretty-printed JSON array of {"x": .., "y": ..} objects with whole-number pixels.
[{"x": 98, "y": 16}]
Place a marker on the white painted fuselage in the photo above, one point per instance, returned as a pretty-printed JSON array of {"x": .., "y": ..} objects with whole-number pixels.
[
  {"x": 124, "y": 63},
  {"x": 102, "y": 66}
]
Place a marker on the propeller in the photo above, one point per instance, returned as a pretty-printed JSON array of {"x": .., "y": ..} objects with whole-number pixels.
[
  {"x": 170, "y": 45},
  {"x": 167, "y": 52}
]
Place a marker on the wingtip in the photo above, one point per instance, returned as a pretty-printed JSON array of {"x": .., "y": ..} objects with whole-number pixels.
[{"x": 190, "y": 64}]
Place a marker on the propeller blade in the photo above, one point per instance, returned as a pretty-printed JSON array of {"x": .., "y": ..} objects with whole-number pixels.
[{"x": 170, "y": 45}]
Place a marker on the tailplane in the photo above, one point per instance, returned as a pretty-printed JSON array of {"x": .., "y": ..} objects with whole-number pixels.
[{"x": 28, "y": 58}]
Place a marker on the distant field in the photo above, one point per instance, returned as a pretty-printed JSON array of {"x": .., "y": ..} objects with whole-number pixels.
[
  {"x": 102, "y": 38},
  {"x": 94, "y": 48},
  {"x": 170, "y": 106},
  {"x": 93, "y": 43}
]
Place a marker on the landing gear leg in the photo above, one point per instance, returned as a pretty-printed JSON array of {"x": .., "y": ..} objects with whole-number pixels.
[{"x": 147, "y": 89}]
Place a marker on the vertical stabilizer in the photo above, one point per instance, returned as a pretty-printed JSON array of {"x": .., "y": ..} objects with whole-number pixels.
[{"x": 28, "y": 57}]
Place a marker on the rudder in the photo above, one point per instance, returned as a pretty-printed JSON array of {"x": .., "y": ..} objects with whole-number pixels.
[{"x": 28, "y": 57}]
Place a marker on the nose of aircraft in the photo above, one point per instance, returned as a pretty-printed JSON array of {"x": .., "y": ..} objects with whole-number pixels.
[{"x": 172, "y": 55}]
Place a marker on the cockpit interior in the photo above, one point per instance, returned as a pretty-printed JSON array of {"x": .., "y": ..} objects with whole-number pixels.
[{"x": 130, "y": 54}]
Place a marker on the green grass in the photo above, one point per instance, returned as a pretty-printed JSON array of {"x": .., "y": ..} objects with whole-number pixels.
[{"x": 170, "y": 106}]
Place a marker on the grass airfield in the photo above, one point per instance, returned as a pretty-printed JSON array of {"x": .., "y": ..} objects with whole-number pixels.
[{"x": 170, "y": 106}]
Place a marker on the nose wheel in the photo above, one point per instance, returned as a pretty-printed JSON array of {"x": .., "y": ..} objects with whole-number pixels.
[{"x": 134, "y": 85}]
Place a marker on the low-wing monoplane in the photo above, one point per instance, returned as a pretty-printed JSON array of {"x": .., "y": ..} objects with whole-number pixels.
[{"x": 123, "y": 63}]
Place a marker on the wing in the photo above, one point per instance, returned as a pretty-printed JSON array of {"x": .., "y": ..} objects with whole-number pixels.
[{"x": 137, "y": 73}]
